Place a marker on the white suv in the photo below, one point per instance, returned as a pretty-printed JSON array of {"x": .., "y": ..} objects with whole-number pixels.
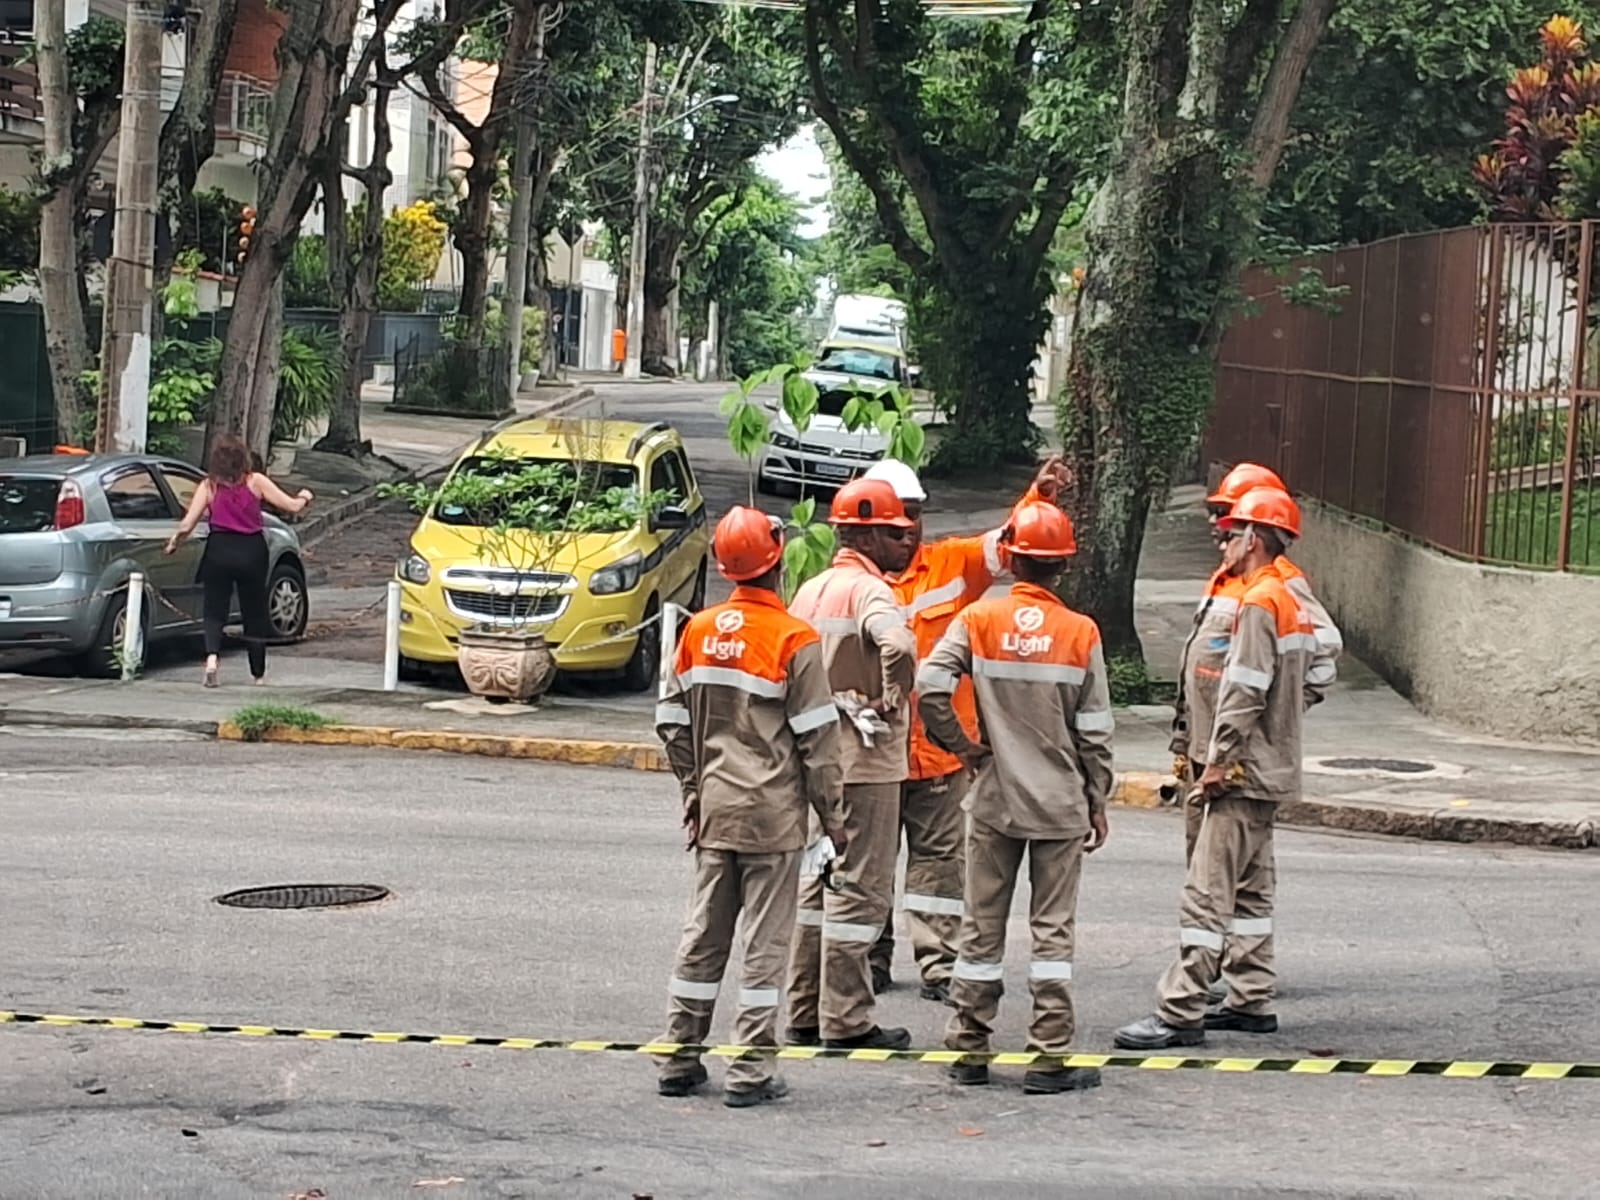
[{"x": 829, "y": 455}]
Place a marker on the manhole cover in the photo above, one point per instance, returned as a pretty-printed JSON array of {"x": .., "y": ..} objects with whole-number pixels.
[
  {"x": 1403, "y": 766},
  {"x": 304, "y": 895}
]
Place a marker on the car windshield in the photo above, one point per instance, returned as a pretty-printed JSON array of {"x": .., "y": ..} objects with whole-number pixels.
[
  {"x": 27, "y": 503},
  {"x": 856, "y": 360},
  {"x": 541, "y": 494}
]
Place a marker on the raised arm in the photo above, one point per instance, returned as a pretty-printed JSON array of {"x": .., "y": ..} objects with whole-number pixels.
[
  {"x": 276, "y": 496},
  {"x": 883, "y": 625}
]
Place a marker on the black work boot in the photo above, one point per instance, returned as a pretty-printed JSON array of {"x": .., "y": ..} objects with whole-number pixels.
[
  {"x": 1152, "y": 1033},
  {"x": 1233, "y": 1020},
  {"x": 763, "y": 1093},
  {"x": 968, "y": 1074},
  {"x": 1044, "y": 1081},
  {"x": 938, "y": 992},
  {"x": 876, "y": 1038},
  {"x": 882, "y": 981},
  {"x": 683, "y": 1084},
  {"x": 803, "y": 1035}
]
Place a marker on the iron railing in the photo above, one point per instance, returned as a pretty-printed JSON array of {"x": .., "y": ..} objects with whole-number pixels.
[
  {"x": 1451, "y": 396},
  {"x": 244, "y": 107}
]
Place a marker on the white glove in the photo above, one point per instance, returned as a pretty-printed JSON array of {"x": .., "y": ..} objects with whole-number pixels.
[
  {"x": 817, "y": 856},
  {"x": 868, "y": 721}
]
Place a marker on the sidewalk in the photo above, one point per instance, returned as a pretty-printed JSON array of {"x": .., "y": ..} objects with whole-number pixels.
[{"x": 1373, "y": 764}]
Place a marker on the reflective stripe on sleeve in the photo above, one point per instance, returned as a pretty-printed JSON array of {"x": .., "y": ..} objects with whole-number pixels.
[
  {"x": 1249, "y": 677},
  {"x": 1251, "y": 926},
  {"x": 935, "y": 596},
  {"x": 1223, "y": 606},
  {"x": 1042, "y": 969},
  {"x": 1027, "y": 672},
  {"x": 1204, "y": 938},
  {"x": 1330, "y": 638},
  {"x": 1095, "y": 722},
  {"x": 810, "y": 918},
  {"x": 838, "y": 626},
  {"x": 814, "y": 718},
  {"x": 732, "y": 677},
  {"x": 691, "y": 989},
  {"x": 843, "y": 931},
  {"x": 877, "y": 626},
  {"x": 671, "y": 714},
  {"x": 1321, "y": 674},
  {"x": 978, "y": 972},
  {"x": 1299, "y": 641},
  {"x": 766, "y": 997},
  {"x": 939, "y": 906},
  {"x": 936, "y": 679}
]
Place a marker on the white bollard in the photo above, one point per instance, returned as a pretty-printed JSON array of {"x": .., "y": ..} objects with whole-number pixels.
[
  {"x": 133, "y": 627},
  {"x": 391, "y": 639},
  {"x": 671, "y": 616}
]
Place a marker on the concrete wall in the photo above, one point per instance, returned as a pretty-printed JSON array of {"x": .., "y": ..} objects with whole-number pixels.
[{"x": 1511, "y": 653}]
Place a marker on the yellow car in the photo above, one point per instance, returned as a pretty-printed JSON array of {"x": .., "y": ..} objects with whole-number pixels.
[{"x": 596, "y": 587}]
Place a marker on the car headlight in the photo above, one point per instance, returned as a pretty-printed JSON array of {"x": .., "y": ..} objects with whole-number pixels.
[
  {"x": 413, "y": 568},
  {"x": 785, "y": 442},
  {"x": 622, "y": 576}
]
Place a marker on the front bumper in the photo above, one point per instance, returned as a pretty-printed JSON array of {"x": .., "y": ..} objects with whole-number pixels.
[
  {"x": 61, "y": 614},
  {"x": 811, "y": 468},
  {"x": 580, "y": 637}
]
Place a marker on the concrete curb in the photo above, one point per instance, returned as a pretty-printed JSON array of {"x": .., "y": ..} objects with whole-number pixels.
[
  {"x": 325, "y": 522},
  {"x": 30, "y": 716},
  {"x": 635, "y": 756}
]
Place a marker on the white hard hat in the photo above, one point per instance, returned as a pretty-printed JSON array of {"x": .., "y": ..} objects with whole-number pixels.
[{"x": 900, "y": 477}]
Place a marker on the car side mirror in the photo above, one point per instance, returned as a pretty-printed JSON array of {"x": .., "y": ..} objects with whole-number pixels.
[{"x": 670, "y": 517}]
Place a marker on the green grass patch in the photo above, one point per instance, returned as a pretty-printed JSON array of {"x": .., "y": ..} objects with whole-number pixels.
[
  {"x": 254, "y": 720},
  {"x": 1525, "y": 527}
]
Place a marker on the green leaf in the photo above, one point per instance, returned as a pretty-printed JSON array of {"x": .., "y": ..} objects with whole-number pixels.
[
  {"x": 800, "y": 401},
  {"x": 801, "y": 514},
  {"x": 909, "y": 443}
]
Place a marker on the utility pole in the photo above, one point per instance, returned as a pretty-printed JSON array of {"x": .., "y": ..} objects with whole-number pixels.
[
  {"x": 641, "y": 222},
  {"x": 521, "y": 200},
  {"x": 130, "y": 273}
]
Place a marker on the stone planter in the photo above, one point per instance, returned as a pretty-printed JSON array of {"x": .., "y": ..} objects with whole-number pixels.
[
  {"x": 530, "y": 380},
  {"x": 511, "y": 665}
]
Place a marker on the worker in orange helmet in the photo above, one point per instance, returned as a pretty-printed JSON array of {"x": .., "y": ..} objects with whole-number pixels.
[
  {"x": 752, "y": 734},
  {"x": 1043, "y": 778},
  {"x": 942, "y": 578},
  {"x": 1200, "y": 665},
  {"x": 871, "y": 660},
  {"x": 1252, "y": 761}
]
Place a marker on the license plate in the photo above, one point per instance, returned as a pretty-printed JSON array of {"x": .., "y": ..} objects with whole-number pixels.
[{"x": 831, "y": 470}]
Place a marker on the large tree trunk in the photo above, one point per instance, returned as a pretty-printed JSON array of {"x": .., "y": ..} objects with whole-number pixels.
[
  {"x": 474, "y": 236},
  {"x": 656, "y": 352}
]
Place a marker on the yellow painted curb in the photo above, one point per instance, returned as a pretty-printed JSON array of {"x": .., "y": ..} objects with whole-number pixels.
[
  {"x": 1138, "y": 789},
  {"x": 634, "y": 756}
]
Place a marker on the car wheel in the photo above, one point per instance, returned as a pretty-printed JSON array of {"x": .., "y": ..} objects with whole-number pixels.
[
  {"x": 288, "y": 605},
  {"x": 643, "y": 671},
  {"x": 103, "y": 659},
  {"x": 697, "y": 598},
  {"x": 414, "y": 671}
]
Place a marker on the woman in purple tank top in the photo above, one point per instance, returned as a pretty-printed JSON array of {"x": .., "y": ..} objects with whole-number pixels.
[{"x": 236, "y": 551}]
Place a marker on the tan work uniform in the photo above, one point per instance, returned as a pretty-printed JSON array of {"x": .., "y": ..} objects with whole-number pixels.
[
  {"x": 868, "y": 650},
  {"x": 1256, "y": 739},
  {"x": 752, "y": 733},
  {"x": 1044, "y": 709}
]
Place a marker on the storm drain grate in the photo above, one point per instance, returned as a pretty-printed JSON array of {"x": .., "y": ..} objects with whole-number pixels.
[
  {"x": 304, "y": 895},
  {"x": 1403, "y": 766}
]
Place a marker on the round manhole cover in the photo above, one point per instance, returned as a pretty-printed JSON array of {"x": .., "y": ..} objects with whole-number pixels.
[
  {"x": 304, "y": 895},
  {"x": 1402, "y": 766}
]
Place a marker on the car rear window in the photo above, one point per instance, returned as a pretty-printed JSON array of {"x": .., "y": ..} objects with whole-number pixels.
[
  {"x": 595, "y": 481},
  {"x": 27, "y": 503}
]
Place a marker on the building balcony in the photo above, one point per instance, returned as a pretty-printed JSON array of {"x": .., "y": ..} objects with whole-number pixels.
[{"x": 243, "y": 117}]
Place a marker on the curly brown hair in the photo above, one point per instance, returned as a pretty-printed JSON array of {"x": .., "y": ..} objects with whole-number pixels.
[{"x": 229, "y": 460}]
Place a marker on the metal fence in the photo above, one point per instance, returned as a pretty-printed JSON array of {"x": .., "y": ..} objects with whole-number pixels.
[{"x": 1451, "y": 396}]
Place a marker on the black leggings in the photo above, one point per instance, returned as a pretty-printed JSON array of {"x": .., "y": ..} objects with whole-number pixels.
[{"x": 237, "y": 560}]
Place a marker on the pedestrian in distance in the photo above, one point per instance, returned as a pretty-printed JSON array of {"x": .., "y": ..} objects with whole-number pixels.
[
  {"x": 752, "y": 734},
  {"x": 871, "y": 659},
  {"x": 229, "y": 499},
  {"x": 942, "y": 578},
  {"x": 1252, "y": 764},
  {"x": 1206, "y": 650},
  {"x": 1042, "y": 780}
]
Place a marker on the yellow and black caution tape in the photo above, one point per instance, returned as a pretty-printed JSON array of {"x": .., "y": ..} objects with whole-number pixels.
[{"x": 1391, "y": 1067}]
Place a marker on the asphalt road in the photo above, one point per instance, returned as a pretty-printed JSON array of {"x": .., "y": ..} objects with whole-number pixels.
[{"x": 539, "y": 901}]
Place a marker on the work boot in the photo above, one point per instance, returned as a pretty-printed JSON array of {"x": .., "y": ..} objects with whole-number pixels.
[
  {"x": 1241, "y": 1022},
  {"x": 968, "y": 1074},
  {"x": 1045, "y": 1081},
  {"x": 763, "y": 1093},
  {"x": 938, "y": 992},
  {"x": 876, "y": 1038},
  {"x": 683, "y": 1083},
  {"x": 882, "y": 981},
  {"x": 803, "y": 1035},
  {"x": 1152, "y": 1033}
]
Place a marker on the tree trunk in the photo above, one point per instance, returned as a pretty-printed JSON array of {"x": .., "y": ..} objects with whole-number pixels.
[
  {"x": 660, "y": 283},
  {"x": 473, "y": 237}
]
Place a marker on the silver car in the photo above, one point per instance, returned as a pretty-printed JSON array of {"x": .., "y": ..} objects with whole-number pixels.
[{"x": 73, "y": 528}]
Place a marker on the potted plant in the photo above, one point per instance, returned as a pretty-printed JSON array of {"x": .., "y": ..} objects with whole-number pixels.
[
  {"x": 532, "y": 347},
  {"x": 532, "y": 521}
]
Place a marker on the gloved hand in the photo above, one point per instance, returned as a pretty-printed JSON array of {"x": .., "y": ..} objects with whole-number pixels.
[
  {"x": 859, "y": 711},
  {"x": 1180, "y": 766}
]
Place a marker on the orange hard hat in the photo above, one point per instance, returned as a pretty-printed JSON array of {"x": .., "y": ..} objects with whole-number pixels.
[
  {"x": 869, "y": 502},
  {"x": 1268, "y": 506},
  {"x": 1241, "y": 479},
  {"x": 748, "y": 543},
  {"x": 1040, "y": 530}
]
